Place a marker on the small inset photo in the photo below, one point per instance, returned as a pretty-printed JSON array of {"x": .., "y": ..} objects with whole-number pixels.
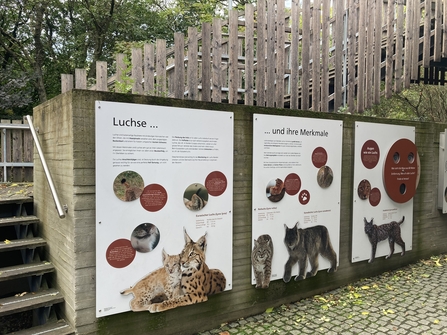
[
  {"x": 145, "y": 237},
  {"x": 325, "y": 176},
  {"x": 275, "y": 190},
  {"x": 364, "y": 189},
  {"x": 195, "y": 197},
  {"x": 128, "y": 186}
]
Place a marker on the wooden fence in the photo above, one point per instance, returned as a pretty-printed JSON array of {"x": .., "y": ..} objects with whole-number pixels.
[
  {"x": 319, "y": 55},
  {"x": 16, "y": 152}
]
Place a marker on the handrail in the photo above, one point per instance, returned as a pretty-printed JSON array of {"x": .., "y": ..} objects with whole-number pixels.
[{"x": 59, "y": 208}]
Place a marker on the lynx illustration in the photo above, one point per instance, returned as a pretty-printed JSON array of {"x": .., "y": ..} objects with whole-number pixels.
[
  {"x": 198, "y": 281},
  {"x": 261, "y": 260},
  {"x": 303, "y": 244},
  {"x": 159, "y": 285}
]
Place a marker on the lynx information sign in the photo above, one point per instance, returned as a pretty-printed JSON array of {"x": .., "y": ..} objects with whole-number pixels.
[{"x": 164, "y": 180}]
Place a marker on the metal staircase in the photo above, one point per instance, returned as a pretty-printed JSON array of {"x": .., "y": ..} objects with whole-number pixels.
[{"x": 26, "y": 301}]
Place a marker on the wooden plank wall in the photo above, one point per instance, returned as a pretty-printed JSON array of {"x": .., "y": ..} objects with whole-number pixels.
[
  {"x": 319, "y": 55},
  {"x": 19, "y": 149}
]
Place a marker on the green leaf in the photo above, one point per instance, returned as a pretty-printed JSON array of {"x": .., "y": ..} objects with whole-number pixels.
[{"x": 269, "y": 310}]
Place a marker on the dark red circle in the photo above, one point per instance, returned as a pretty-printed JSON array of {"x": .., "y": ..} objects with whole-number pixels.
[
  {"x": 120, "y": 253},
  {"x": 400, "y": 177},
  {"x": 216, "y": 183},
  {"x": 319, "y": 157},
  {"x": 154, "y": 197},
  {"x": 374, "y": 197},
  {"x": 292, "y": 183},
  {"x": 370, "y": 154},
  {"x": 304, "y": 197}
]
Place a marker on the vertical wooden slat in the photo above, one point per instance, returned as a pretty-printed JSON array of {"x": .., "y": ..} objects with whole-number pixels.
[
  {"x": 361, "y": 57},
  {"x": 438, "y": 30},
  {"x": 192, "y": 77},
  {"x": 28, "y": 152},
  {"x": 270, "y": 54},
  {"x": 17, "y": 155},
  {"x": 351, "y": 54},
  {"x": 260, "y": 54},
  {"x": 81, "y": 79},
  {"x": 305, "y": 79},
  {"x": 233, "y": 81},
  {"x": 399, "y": 46},
  {"x": 416, "y": 40},
  {"x": 294, "y": 55},
  {"x": 120, "y": 72},
  {"x": 369, "y": 54},
  {"x": 217, "y": 60},
  {"x": 427, "y": 29},
  {"x": 444, "y": 35},
  {"x": 338, "y": 65},
  {"x": 316, "y": 20},
  {"x": 179, "y": 83},
  {"x": 6, "y": 144},
  {"x": 101, "y": 76},
  {"x": 377, "y": 50},
  {"x": 249, "y": 54},
  {"x": 66, "y": 82},
  {"x": 137, "y": 71},
  {"x": 325, "y": 57},
  {"x": 409, "y": 22},
  {"x": 149, "y": 69},
  {"x": 280, "y": 54},
  {"x": 160, "y": 67},
  {"x": 206, "y": 61},
  {"x": 389, "y": 50}
]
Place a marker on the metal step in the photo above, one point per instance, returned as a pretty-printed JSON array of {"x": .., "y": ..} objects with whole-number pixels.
[
  {"x": 27, "y": 243},
  {"x": 30, "y": 301},
  {"x": 59, "y": 327},
  {"x": 19, "y": 220},
  {"x": 25, "y": 270}
]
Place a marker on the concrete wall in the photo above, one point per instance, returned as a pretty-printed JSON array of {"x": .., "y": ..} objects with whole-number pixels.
[{"x": 67, "y": 132}]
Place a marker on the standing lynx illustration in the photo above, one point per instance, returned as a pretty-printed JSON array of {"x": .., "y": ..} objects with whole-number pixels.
[
  {"x": 390, "y": 231},
  {"x": 198, "y": 281},
  {"x": 303, "y": 244},
  {"x": 261, "y": 260},
  {"x": 159, "y": 285}
]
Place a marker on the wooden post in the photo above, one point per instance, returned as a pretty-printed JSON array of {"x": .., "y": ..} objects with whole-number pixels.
[
  {"x": 377, "y": 50},
  {"x": 305, "y": 78},
  {"x": 399, "y": 47},
  {"x": 294, "y": 55},
  {"x": 408, "y": 58},
  {"x": 339, "y": 28},
  {"x": 270, "y": 93},
  {"x": 101, "y": 76},
  {"x": 179, "y": 47},
  {"x": 361, "y": 57},
  {"x": 149, "y": 69},
  {"x": 17, "y": 155},
  {"x": 66, "y": 82},
  {"x": 120, "y": 77},
  {"x": 233, "y": 81},
  {"x": 206, "y": 61},
  {"x": 249, "y": 54},
  {"x": 160, "y": 67},
  {"x": 316, "y": 23},
  {"x": 260, "y": 54},
  {"x": 427, "y": 29},
  {"x": 217, "y": 60},
  {"x": 389, "y": 50},
  {"x": 351, "y": 55},
  {"x": 369, "y": 54},
  {"x": 438, "y": 30},
  {"x": 137, "y": 71},
  {"x": 280, "y": 54},
  {"x": 325, "y": 57},
  {"x": 192, "y": 64},
  {"x": 81, "y": 79}
]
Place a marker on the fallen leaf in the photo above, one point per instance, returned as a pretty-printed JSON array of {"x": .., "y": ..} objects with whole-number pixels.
[
  {"x": 224, "y": 333},
  {"x": 269, "y": 310},
  {"x": 365, "y": 287},
  {"x": 436, "y": 321},
  {"x": 365, "y": 313},
  {"x": 425, "y": 275},
  {"x": 7, "y": 241}
]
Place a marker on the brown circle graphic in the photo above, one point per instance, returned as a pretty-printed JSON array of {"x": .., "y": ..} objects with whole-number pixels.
[
  {"x": 370, "y": 154},
  {"x": 304, "y": 197},
  {"x": 216, "y": 183},
  {"x": 364, "y": 189},
  {"x": 292, "y": 183},
  {"x": 154, "y": 197},
  {"x": 145, "y": 237},
  {"x": 374, "y": 197},
  {"x": 319, "y": 157},
  {"x": 325, "y": 176},
  {"x": 275, "y": 190},
  {"x": 195, "y": 197},
  {"x": 401, "y": 175},
  {"x": 128, "y": 186},
  {"x": 120, "y": 253}
]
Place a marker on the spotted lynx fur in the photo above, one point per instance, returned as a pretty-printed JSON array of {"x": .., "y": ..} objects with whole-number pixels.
[
  {"x": 198, "y": 281},
  {"x": 159, "y": 285}
]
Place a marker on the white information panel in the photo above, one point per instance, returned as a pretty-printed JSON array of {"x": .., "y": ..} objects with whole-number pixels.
[
  {"x": 296, "y": 178},
  {"x": 159, "y": 171},
  {"x": 386, "y": 173}
]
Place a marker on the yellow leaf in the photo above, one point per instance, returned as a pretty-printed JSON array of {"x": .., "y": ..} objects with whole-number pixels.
[
  {"x": 390, "y": 311},
  {"x": 425, "y": 275},
  {"x": 365, "y": 287},
  {"x": 365, "y": 313},
  {"x": 7, "y": 241},
  {"x": 269, "y": 310},
  {"x": 436, "y": 321},
  {"x": 437, "y": 263}
]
